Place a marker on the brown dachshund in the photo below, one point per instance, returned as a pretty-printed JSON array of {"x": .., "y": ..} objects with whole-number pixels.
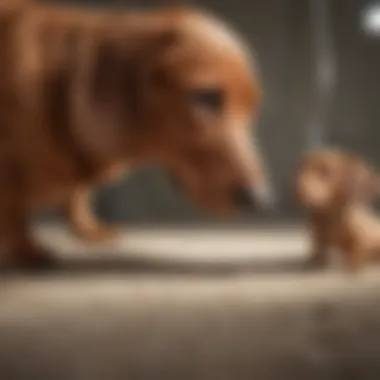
[
  {"x": 86, "y": 94},
  {"x": 336, "y": 188}
]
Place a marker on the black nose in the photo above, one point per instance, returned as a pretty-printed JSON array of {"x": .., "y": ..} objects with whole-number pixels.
[
  {"x": 257, "y": 199},
  {"x": 244, "y": 197}
]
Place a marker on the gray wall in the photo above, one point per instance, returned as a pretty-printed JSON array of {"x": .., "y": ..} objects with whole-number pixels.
[
  {"x": 356, "y": 119},
  {"x": 279, "y": 32}
]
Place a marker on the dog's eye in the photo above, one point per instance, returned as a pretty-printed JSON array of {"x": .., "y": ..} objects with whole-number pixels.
[{"x": 210, "y": 99}]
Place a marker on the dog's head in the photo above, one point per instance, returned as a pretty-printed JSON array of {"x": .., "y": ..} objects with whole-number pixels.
[
  {"x": 330, "y": 178},
  {"x": 179, "y": 91}
]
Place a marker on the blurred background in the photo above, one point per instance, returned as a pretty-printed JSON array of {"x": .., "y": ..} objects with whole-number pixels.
[{"x": 291, "y": 40}]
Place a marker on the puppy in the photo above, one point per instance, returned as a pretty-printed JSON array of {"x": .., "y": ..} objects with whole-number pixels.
[
  {"x": 86, "y": 94},
  {"x": 336, "y": 188}
]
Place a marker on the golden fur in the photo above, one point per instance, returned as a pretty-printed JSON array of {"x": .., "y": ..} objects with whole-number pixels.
[
  {"x": 336, "y": 188},
  {"x": 85, "y": 94}
]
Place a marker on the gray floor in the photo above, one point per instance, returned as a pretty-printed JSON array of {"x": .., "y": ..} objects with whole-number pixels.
[{"x": 189, "y": 305}]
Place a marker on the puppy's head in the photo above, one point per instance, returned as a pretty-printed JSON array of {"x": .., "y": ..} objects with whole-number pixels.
[
  {"x": 182, "y": 93},
  {"x": 328, "y": 178}
]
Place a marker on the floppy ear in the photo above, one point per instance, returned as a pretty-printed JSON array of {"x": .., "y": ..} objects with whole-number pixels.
[
  {"x": 111, "y": 86},
  {"x": 361, "y": 183},
  {"x": 96, "y": 125}
]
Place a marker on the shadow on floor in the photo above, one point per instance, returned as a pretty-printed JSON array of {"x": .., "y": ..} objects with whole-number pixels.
[{"x": 139, "y": 265}]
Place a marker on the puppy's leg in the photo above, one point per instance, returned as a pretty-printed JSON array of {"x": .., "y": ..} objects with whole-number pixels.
[
  {"x": 319, "y": 256},
  {"x": 354, "y": 258},
  {"x": 17, "y": 244},
  {"x": 319, "y": 251},
  {"x": 82, "y": 220}
]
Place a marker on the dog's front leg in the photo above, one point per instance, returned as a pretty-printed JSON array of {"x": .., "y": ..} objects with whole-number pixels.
[
  {"x": 17, "y": 244},
  {"x": 82, "y": 219}
]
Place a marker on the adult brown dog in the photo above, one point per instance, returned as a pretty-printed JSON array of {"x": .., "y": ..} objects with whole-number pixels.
[
  {"x": 336, "y": 188},
  {"x": 85, "y": 94}
]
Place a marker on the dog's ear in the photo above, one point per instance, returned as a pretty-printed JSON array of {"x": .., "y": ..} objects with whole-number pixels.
[
  {"x": 361, "y": 183},
  {"x": 120, "y": 65},
  {"x": 111, "y": 86}
]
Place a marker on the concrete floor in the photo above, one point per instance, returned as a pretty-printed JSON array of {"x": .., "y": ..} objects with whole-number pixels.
[{"x": 189, "y": 305}]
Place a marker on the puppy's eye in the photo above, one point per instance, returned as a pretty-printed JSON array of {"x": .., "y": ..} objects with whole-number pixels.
[
  {"x": 325, "y": 173},
  {"x": 210, "y": 99}
]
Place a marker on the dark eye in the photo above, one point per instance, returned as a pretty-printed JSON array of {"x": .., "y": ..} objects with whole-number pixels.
[
  {"x": 210, "y": 99},
  {"x": 325, "y": 173}
]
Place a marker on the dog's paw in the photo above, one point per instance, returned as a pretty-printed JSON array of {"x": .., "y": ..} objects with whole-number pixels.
[{"x": 97, "y": 234}]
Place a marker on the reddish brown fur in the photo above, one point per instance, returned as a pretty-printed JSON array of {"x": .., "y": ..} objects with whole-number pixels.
[
  {"x": 336, "y": 189},
  {"x": 85, "y": 94}
]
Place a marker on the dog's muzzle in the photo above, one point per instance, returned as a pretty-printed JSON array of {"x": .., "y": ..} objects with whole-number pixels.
[
  {"x": 245, "y": 198},
  {"x": 256, "y": 199}
]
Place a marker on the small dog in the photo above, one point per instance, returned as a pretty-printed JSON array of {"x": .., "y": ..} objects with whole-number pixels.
[
  {"x": 85, "y": 94},
  {"x": 337, "y": 188}
]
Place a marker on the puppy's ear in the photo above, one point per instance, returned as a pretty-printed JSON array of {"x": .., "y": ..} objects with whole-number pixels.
[{"x": 361, "y": 182}]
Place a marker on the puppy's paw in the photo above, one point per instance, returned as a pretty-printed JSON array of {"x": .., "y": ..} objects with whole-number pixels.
[
  {"x": 316, "y": 262},
  {"x": 354, "y": 262},
  {"x": 353, "y": 269}
]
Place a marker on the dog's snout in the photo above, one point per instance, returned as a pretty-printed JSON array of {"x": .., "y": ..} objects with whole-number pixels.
[
  {"x": 254, "y": 199},
  {"x": 244, "y": 197}
]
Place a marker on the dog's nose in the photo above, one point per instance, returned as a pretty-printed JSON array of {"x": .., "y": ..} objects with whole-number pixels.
[
  {"x": 244, "y": 197},
  {"x": 253, "y": 199}
]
